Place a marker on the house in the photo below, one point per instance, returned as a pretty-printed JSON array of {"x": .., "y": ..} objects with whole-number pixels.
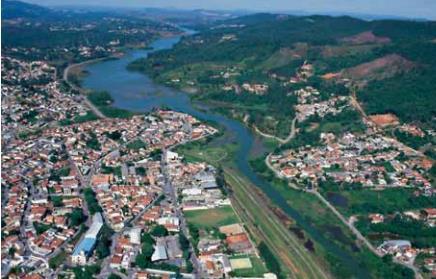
[
  {"x": 116, "y": 261},
  {"x": 239, "y": 243},
  {"x": 376, "y": 218},
  {"x": 142, "y": 275},
  {"x": 429, "y": 213},
  {"x": 101, "y": 179},
  {"x": 135, "y": 236},
  {"x": 394, "y": 246},
  {"x": 171, "y": 223}
]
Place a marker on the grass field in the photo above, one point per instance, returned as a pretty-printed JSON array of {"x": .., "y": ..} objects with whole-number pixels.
[
  {"x": 261, "y": 222},
  {"x": 212, "y": 217},
  {"x": 215, "y": 155},
  {"x": 257, "y": 269}
]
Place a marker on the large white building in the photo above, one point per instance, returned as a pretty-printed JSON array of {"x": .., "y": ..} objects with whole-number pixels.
[{"x": 84, "y": 249}]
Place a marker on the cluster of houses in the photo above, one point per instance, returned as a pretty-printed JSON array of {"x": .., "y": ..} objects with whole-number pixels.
[
  {"x": 371, "y": 160},
  {"x": 49, "y": 226},
  {"x": 195, "y": 183},
  {"x": 218, "y": 255},
  {"x": 403, "y": 250},
  {"x": 334, "y": 106},
  {"x": 32, "y": 97},
  {"x": 426, "y": 215},
  {"x": 120, "y": 203},
  {"x": 44, "y": 165},
  {"x": 32, "y": 169},
  {"x": 198, "y": 190},
  {"x": 255, "y": 88},
  {"x": 91, "y": 141},
  {"x": 303, "y": 73},
  {"x": 162, "y": 214},
  {"x": 128, "y": 182},
  {"x": 126, "y": 248},
  {"x": 412, "y": 130},
  {"x": 400, "y": 249}
]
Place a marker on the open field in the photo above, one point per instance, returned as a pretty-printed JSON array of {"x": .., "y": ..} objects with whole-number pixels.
[
  {"x": 196, "y": 151},
  {"x": 212, "y": 217},
  {"x": 257, "y": 267}
]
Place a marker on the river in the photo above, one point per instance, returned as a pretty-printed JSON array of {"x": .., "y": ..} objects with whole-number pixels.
[{"x": 137, "y": 92}]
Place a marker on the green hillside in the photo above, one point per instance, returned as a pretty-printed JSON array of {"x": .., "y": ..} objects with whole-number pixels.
[{"x": 268, "y": 49}]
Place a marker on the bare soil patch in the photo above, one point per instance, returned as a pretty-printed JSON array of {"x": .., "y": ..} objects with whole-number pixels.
[
  {"x": 378, "y": 69},
  {"x": 366, "y": 37},
  {"x": 384, "y": 120}
]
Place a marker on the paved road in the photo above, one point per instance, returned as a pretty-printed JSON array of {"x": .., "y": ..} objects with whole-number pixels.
[
  {"x": 281, "y": 141},
  {"x": 169, "y": 190},
  {"x": 353, "y": 229}
]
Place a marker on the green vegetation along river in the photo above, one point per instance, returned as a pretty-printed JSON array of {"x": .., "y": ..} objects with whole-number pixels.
[{"x": 137, "y": 92}]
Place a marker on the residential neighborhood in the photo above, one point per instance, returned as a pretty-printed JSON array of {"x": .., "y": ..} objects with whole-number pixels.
[{"x": 78, "y": 187}]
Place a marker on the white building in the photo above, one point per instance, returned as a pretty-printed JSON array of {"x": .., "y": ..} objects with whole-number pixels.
[{"x": 84, "y": 249}]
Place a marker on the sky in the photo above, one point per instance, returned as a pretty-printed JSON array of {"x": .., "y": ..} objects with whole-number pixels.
[{"x": 402, "y": 8}]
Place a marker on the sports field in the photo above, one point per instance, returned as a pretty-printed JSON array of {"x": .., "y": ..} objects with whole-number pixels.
[{"x": 208, "y": 218}]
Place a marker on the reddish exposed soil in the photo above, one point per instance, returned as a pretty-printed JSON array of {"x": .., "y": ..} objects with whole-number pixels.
[
  {"x": 381, "y": 68},
  {"x": 366, "y": 37},
  {"x": 384, "y": 119}
]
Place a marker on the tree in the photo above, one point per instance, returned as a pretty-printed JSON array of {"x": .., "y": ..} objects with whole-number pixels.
[
  {"x": 140, "y": 171},
  {"x": 184, "y": 242},
  {"x": 77, "y": 217},
  {"x": 104, "y": 242},
  {"x": 57, "y": 201},
  {"x": 12, "y": 251},
  {"x": 270, "y": 260},
  {"x": 146, "y": 237},
  {"x": 147, "y": 250},
  {"x": 142, "y": 261},
  {"x": 159, "y": 231}
]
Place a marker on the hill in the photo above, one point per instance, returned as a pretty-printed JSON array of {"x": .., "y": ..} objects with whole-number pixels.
[
  {"x": 33, "y": 32},
  {"x": 18, "y": 9},
  {"x": 268, "y": 49}
]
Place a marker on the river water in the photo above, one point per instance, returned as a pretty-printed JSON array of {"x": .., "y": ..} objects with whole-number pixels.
[{"x": 137, "y": 92}]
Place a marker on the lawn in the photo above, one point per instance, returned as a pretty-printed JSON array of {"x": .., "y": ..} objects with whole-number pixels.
[{"x": 212, "y": 217}]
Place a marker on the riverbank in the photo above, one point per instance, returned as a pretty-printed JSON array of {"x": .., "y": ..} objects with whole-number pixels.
[
  {"x": 331, "y": 245},
  {"x": 79, "y": 66}
]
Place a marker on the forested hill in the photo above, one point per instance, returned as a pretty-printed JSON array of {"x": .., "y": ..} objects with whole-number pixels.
[
  {"x": 391, "y": 61},
  {"x": 18, "y": 9}
]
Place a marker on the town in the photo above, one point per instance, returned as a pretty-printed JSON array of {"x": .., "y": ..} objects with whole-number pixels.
[
  {"x": 108, "y": 192},
  {"x": 176, "y": 143}
]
